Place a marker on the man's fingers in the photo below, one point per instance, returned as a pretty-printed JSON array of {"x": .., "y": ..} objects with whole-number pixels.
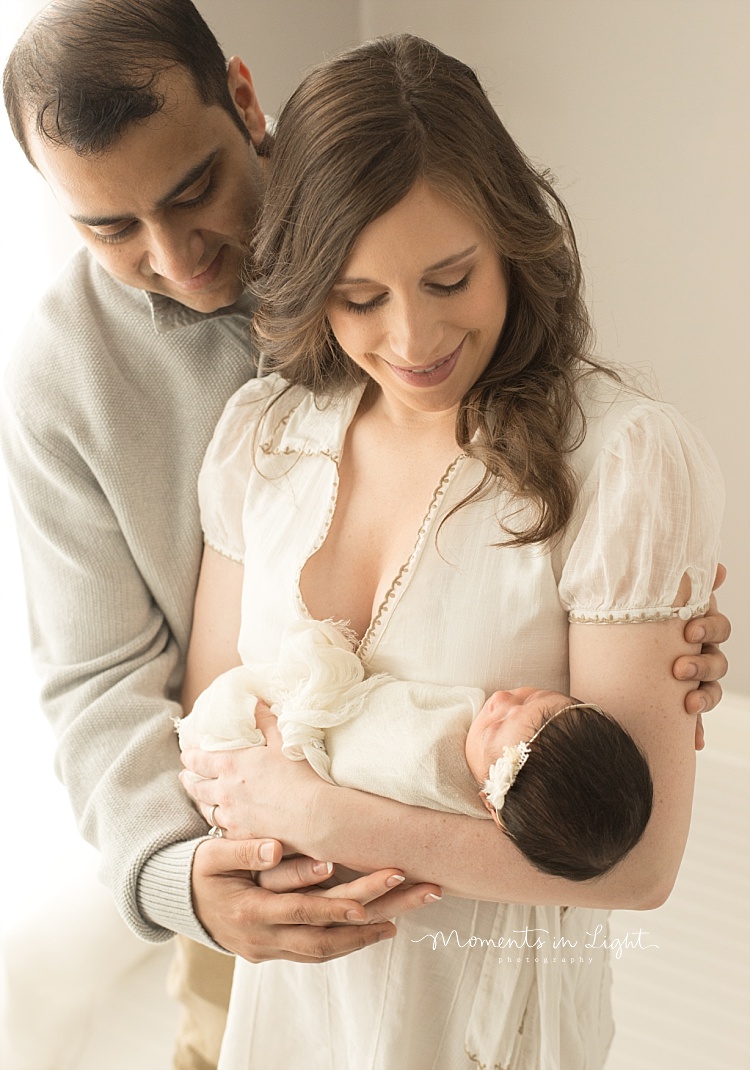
[
  {"x": 713, "y": 628},
  {"x": 721, "y": 575},
  {"x": 700, "y": 739},
  {"x": 219, "y": 856},
  {"x": 308, "y": 944},
  {"x": 294, "y": 873},
  {"x": 709, "y": 665},
  {"x": 706, "y": 698}
]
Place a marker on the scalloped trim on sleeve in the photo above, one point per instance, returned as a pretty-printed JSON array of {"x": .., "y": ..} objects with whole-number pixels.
[
  {"x": 640, "y": 616},
  {"x": 224, "y": 553}
]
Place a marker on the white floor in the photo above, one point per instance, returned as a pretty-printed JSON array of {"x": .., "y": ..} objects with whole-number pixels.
[
  {"x": 686, "y": 1004},
  {"x": 683, "y": 1004}
]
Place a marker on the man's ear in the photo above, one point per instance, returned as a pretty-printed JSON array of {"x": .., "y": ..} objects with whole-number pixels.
[{"x": 242, "y": 92}]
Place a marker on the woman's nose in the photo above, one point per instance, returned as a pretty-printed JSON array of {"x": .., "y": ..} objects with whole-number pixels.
[{"x": 414, "y": 335}]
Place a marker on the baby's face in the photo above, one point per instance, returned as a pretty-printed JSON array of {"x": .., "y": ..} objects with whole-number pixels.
[{"x": 507, "y": 718}]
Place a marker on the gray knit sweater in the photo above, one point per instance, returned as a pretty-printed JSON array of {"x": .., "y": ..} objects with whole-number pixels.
[{"x": 109, "y": 406}]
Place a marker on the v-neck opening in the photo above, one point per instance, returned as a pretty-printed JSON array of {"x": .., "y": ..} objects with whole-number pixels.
[{"x": 393, "y": 593}]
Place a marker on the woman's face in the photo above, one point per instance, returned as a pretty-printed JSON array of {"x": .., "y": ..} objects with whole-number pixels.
[
  {"x": 508, "y": 718},
  {"x": 420, "y": 303}
]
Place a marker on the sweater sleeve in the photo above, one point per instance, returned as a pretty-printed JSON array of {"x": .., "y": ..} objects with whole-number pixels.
[
  {"x": 103, "y": 689},
  {"x": 97, "y": 479}
]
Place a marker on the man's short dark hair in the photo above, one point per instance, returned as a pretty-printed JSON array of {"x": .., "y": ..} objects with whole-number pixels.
[{"x": 84, "y": 70}]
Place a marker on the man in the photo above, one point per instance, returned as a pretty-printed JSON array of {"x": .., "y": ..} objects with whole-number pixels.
[
  {"x": 149, "y": 142},
  {"x": 153, "y": 145}
]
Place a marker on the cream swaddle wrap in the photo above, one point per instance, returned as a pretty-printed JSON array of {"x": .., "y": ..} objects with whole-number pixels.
[{"x": 397, "y": 738}]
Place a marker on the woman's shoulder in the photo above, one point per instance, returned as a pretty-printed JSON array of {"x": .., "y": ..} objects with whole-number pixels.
[
  {"x": 252, "y": 413},
  {"x": 279, "y": 417},
  {"x": 621, "y": 418}
]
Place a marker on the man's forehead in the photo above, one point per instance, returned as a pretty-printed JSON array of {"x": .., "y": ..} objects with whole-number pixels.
[{"x": 152, "y": 161}]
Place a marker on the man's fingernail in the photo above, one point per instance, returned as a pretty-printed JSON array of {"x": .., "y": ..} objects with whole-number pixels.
[
  {"x": 431, "y": 897},
  {"x": 394, "y": 880},
  {"x": 703, "y": 705},
  {"x": 266, "y": 851},
  {"x": 353, "y": 915},
  {"x": 323, "y": 867},
  {"x": 690, "y": 671},
  {"x": 698, "y": 634}
]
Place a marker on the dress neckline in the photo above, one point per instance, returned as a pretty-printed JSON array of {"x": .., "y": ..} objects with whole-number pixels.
[{"x": 400, "y": 582}]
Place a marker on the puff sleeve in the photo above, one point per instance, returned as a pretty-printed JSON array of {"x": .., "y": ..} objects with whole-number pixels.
[
  {"x": 649, "y": 512},
  {"x": 227, "y": 466}
]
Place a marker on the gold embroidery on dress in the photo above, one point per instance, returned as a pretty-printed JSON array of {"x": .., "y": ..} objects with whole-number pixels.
[
  {"x": 265, "y": 446},
  {"x": 484, "y": 1066}
]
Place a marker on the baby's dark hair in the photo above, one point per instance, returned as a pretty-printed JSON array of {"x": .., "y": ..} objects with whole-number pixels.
[{"x": 583, "y": 798}]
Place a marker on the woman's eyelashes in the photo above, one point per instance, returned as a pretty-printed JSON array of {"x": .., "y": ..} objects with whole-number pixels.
[{"x": 363, "y": 307}]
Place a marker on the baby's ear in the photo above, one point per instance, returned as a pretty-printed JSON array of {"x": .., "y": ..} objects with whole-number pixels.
[{"x": 490, "y": 808}]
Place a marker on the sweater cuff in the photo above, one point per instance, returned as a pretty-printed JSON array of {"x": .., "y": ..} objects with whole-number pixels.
[{"x": 164, "y": 893}]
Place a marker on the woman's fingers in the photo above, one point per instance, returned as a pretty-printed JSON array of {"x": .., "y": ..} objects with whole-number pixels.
[
  {"x": 385, "y": 894},
  {"x": 266, "y": 722}
]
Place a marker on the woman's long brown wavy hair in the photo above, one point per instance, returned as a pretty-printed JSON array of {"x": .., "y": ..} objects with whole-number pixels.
[{"x": 351, "y": 142}]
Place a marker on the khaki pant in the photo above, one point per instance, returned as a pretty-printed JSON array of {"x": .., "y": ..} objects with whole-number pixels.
[{"x": 200, "y": 980}]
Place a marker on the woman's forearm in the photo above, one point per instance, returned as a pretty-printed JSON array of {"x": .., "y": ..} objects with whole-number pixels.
[{"x": 468, "y": 857}]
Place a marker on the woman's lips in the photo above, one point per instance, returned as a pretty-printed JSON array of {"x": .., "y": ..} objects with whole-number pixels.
[{"x": 431, "y": 374}]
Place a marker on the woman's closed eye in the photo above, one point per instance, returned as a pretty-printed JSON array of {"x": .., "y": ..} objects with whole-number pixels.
[{"x": 440, "y": 289}]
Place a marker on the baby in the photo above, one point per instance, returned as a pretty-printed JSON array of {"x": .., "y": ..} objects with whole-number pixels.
[{"x": 560, "y": 777}]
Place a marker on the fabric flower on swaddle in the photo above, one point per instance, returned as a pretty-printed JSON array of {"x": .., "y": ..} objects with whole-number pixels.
[{"x": 317, "y": 683}]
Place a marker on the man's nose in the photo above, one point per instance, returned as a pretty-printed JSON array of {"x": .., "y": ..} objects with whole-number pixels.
[{"x": 175, "y": 254}]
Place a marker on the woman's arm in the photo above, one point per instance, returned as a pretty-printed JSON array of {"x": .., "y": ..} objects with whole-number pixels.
[
  {"x": 275, "y": 917},
  {"x": 625, "y": 668},
  {"x": 216, "y": 625}
]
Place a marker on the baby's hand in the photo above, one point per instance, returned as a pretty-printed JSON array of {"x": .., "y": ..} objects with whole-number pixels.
[{"x": 223, "y": 717}]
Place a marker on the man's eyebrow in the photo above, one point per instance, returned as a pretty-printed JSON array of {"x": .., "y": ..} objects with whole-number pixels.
[
  {"x": 447, "y": 262},
  {"x": 192, "y": 176},
  {"x": 185, "y": 183}
]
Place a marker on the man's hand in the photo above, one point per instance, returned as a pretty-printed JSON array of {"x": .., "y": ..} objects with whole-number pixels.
[
  {"x": 282, "y": 917},
  {"x": 710, "y": 665}
]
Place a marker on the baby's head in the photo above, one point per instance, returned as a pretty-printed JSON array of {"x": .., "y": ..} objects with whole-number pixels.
[{"x": 562, "y": 779}]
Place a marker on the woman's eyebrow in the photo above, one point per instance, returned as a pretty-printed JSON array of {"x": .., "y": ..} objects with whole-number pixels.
[{"x": 348, "y": 280}]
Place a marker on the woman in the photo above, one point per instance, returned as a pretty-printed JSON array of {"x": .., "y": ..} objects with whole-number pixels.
[{"x": 444, "y": 467}]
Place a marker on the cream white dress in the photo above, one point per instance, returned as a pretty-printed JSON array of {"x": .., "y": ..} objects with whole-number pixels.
[{"x": 460, "y": 610}]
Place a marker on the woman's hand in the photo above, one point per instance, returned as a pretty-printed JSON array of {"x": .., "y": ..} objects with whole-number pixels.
[
  {"x": 384, "y": 894},
  {"x": 255, "y": 792}
]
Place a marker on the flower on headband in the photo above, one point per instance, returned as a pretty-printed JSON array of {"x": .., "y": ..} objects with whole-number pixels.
[{"x": 503, "y": 773}]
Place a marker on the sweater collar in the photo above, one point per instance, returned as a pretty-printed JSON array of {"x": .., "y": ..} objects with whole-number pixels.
[{"x": 168, "y": 315}]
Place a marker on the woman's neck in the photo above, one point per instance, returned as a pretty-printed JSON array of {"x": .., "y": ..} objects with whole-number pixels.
[{"x": 393, "y": 417}]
